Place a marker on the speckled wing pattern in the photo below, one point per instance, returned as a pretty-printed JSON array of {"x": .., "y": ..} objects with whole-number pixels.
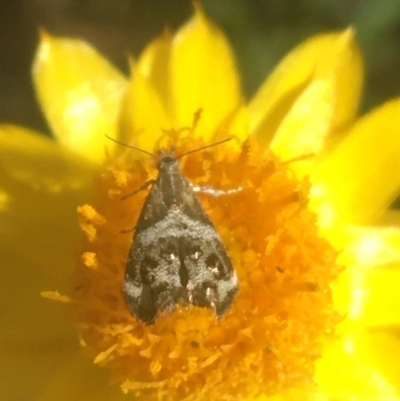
[{"x": 176, "y": 253}]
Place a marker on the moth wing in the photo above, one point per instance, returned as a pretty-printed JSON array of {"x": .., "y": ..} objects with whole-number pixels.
[
  {"x": 212, "y": 281},
  {"x": 191, "y": 206},
  {"x": 154, "y": 209},
  {"x": 152, "y": 279}
]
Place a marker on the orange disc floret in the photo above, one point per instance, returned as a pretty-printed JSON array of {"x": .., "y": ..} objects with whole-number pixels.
[{"x": 268, "y": 340}]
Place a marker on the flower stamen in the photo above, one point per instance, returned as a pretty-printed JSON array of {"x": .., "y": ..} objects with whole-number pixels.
[{"x": 272, "y": 334}]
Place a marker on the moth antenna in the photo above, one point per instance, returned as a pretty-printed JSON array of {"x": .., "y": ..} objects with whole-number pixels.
[
  {"x": 132, "y": 147},
  {"x": 204, "y": 147}
]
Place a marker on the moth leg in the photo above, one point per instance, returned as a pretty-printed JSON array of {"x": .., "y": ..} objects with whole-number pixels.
[
  {"x": 142, "y": 188},
  {"x": 128, "y": 230},
  {"x": 214, "y": 191}
]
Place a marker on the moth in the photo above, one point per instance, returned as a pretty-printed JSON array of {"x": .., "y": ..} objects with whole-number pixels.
[{"x": 176, "y": 254}]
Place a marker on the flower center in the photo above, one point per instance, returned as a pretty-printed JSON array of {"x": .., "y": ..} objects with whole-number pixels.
[{"x": 270, "y": 337}]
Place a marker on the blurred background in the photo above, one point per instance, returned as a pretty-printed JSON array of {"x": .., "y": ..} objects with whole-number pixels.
[{"x": 261, "y": 32}]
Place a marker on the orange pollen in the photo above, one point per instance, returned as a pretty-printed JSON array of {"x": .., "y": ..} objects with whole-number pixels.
[{"x": 269, "y": 340}]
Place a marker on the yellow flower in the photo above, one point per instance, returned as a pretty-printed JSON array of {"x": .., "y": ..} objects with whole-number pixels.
[{"x": 281, "y": 230}]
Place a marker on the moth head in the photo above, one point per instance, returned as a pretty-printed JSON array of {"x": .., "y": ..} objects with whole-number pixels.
[{"x": 167, "y": 161}]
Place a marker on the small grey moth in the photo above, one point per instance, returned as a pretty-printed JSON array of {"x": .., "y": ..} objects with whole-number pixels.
[{"x": 176, "y": 253}]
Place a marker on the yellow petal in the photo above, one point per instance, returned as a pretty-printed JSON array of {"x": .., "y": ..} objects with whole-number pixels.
[
  {"x": 203, "y": 75},
  {"x": 334, "y": 62},
  {"x": 360, "y": 178},
  {"x": 27, "y": 366},
  {"x": 239, "y": 125},
  {"x": 44, "y": 183},
  {"x": 368, "y": 297},
  {"x": 37, "y": 230},
  {"x": 34, "y": 338},
  {"x": 154, "y": 64},
  {"x": 43, "y": 232},
  {"x": 80, "y": 380},
  {"x": 390, "y": 217},
  {"x": 304, "y": 128},
  {"x": 343, "y": 376},
  {"x": 371, "y": 247},
  {"x": 142, "y": 110},
  {"x": 40, "y": 162},
  {"x": 310, "y": 393},
  {"x": 79, "y": 92},
  {"x": 381, "y": 349},
  {"x": 362, "y": 250},
  {"x": 40, "y": 226},
  {"x": 44, "y": 188},
  {"x": 381, "y": 303}
]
